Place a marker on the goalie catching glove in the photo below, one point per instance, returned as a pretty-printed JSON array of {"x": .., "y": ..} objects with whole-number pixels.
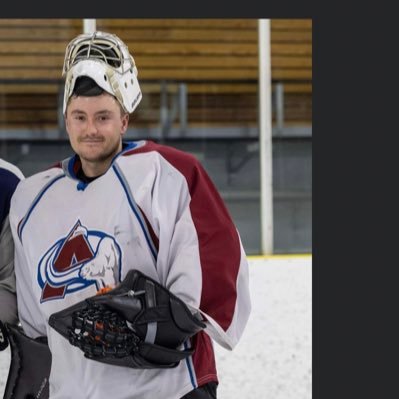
[{"x": 139, "y": 324}]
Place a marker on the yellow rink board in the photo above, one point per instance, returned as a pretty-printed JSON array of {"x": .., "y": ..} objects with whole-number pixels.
[{"x": 279, "y": 256}]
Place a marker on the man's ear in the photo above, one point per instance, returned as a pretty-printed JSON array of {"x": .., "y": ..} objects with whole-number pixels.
[
  {"x": 66, "y": 121},
  {"x": 125, "y": 123}
]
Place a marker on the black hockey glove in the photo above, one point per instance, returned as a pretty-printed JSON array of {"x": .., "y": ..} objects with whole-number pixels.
[
  {"x": 30, "y": 365},
  {"x": 139, "y": 324}
]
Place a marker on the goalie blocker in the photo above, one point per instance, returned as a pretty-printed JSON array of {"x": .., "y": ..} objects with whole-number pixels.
[{"x": 139, "y": 324}]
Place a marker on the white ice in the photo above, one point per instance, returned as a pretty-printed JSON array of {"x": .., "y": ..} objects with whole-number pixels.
[{"x": 273, "y": 360}]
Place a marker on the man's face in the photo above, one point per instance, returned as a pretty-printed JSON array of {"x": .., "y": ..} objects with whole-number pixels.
[{"x": 95, "y": 126}]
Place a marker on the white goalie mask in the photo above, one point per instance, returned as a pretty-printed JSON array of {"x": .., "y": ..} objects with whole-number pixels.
[{"x": 104, "y": 58}]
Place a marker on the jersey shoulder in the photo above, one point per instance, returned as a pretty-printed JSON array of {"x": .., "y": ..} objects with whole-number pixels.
[
  {"x": 181, "y": 160},
  {"x": 10, "y": 176},
  {"x": 7, "y": 168},
  {"x": 29, "y": 188},
  {"x": 178, "y": 163}
]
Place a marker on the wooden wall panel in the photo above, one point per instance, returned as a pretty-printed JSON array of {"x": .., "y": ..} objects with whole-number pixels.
[{"x": 217, "y": 58}]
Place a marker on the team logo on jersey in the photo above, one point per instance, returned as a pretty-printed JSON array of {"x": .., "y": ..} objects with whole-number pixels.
[{"x": 81, "y": 259}]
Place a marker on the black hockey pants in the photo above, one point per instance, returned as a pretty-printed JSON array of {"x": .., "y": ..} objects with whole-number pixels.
[{"x": 207, "y": 391}]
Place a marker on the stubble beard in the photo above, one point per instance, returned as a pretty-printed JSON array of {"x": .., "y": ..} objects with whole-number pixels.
[{"x": 102, "y": 157}]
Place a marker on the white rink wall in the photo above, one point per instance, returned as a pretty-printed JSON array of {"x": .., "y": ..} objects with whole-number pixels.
[{"x": 273, "y": 360}]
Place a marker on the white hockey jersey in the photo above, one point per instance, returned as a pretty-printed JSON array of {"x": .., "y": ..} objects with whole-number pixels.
[{"x": 155, "y": 210}]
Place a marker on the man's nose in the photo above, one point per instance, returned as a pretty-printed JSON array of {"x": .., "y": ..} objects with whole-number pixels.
[{"x": 91, "y": 126}]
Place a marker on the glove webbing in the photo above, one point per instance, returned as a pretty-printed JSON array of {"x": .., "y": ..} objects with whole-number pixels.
[{"x": 98, "y": 332}]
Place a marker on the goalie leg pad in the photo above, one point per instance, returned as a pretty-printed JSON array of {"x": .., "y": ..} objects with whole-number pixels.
[{"x": 30, "y": 366}]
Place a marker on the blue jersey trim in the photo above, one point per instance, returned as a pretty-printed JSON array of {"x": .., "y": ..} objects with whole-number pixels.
[
  {"x": 136, "y": 210},
  {"x": 127, "y": 146},
  {"x": 190, "y": 369},
  {"x": 34, "y": 203},
  {"x": 70, "y": 162},
  {"x": 70, "y": 167}
]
